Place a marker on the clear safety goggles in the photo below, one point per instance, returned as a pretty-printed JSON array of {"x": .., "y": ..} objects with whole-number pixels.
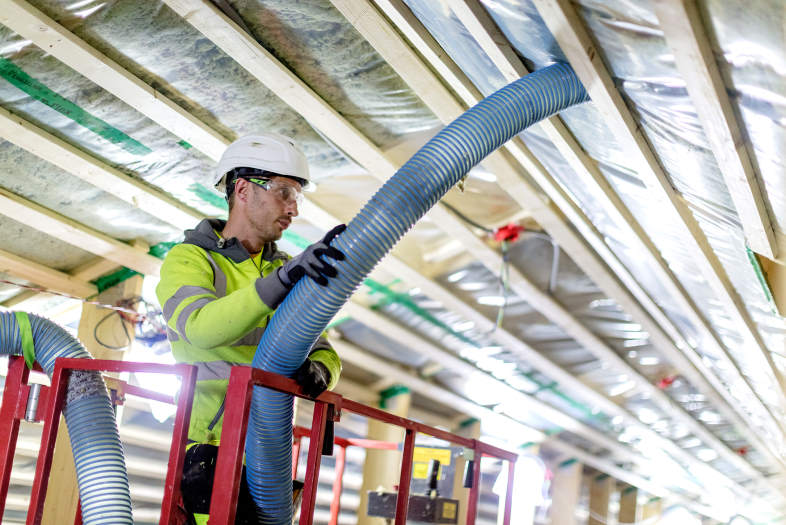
[{"x": 286, "y": 193}]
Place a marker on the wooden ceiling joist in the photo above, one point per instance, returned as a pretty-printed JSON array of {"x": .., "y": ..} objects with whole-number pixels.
[
  {"x": 74, "y": 161},
  {"x": 485, "y": 32},
  {"x": 577, "y": 44},
  {"x": 43, "y": 276},
  {"x": 32, "y": 24},
  {"x": 684, "y": 31},
  {"x": 86, "y": 272},
  {"x": 247, "y": 52},
  {"x": 393, "y": 48},
  {"x": 78, "y": 235}
]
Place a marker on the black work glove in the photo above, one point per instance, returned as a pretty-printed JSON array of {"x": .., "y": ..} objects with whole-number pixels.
[
  {"x": 313, "y": 377},
  {"x": 309, "y": 262}
]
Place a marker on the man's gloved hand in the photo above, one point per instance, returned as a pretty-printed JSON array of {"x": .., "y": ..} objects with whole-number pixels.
[
  {"x": 313, "y": 377},
  {"x": 309, "y": 263}
]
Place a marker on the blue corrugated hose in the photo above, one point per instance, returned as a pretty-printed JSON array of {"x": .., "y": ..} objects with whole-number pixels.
[
  {"x": 393, "y": 210},
  {"x": 95, "y": 442}
]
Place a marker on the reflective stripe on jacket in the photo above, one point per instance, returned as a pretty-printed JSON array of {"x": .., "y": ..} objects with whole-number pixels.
[{"x": 215, "y": 316}]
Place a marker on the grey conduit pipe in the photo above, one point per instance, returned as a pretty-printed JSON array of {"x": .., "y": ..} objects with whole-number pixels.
[
  {"x": 393, "y": 210},
  {"x": 98, "y": 455}
]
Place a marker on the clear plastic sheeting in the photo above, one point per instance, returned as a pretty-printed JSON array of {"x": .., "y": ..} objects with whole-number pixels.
[
  {"x": 188, "y": 68},
  {"x": 31, "y": 178},
  {"x": 121, "y": 137},
  {"x": 751, "y": 51},
  {"x": 658, "y": 95},
  {"x": 316, "y": 42},
  {"x": 638, "y": 55}
]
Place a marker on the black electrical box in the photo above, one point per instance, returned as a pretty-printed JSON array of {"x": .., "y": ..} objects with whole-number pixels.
[{"x": 424, "y": 509}]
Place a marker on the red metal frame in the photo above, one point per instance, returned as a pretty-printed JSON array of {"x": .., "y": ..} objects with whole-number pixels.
[
  {"x": 51, "y": 404},
  {"x": 338, "y": 481},
  {"x": 328, "y": 406}
]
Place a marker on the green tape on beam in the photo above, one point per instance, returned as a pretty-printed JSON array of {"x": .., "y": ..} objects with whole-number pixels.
[
  {"x": 628, "y": 490},
  {"x": 765, "y": 287},
  {"x": 184, "y": 144},
  {"x": 161, "y": 249},
  {"x": 568, "y": 462},
  {"x": 469, "y": 421},
  {"x": 296, "y": 239},
  {"x": 209, "y": 196},
  {"x": 601, "y": 477},
  {"x": 390, "y": 393},
  {"x": 113, "y": 279},
  {"x": 16, "y": 76},
  {"x": 404, "y": 299}
]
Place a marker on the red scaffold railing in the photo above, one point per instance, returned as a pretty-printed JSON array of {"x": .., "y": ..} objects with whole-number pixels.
[{"x": 328, "y": 408}]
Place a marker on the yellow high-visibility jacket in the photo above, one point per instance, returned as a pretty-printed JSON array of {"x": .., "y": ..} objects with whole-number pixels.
[{"x": 213, "y": 295}]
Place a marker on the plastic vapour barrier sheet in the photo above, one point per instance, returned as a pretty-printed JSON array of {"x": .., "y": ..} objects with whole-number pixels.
[{"x": 539, "y": 48}]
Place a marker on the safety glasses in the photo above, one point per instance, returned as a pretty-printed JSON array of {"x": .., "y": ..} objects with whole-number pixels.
[{"x": 286, "y": 193}]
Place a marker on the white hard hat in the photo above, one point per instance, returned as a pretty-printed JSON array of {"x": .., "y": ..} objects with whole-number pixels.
[{"x": 266, "y": 151}]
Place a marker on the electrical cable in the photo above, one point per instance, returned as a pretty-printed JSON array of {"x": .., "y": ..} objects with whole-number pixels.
[{"x": 504, "y": 272}]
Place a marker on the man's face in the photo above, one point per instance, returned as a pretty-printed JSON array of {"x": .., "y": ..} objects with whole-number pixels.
[{"x": 270, "y": 211}]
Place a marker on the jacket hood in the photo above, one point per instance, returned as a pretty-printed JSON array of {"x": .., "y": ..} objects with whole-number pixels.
[{"x": 204, "y": 236}]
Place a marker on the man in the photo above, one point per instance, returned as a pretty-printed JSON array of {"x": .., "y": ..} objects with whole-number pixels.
[{"x": 220, "y": 287}]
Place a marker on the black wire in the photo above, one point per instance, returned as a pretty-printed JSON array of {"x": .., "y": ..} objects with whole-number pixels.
[
  {"x": 148, "y": 324},
  {"x": 125, "y": 331},
  {"x": 467, "y": 219},
  {"x": 504, "y": 285}
]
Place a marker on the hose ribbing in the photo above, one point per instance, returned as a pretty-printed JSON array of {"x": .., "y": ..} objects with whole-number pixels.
[
  {"x": 95, "y": 442},
  {"x": 393, "y": 210}
]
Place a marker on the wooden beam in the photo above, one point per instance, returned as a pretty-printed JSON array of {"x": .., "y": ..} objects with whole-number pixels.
[
  {"x": 629, "y": 510},
  {"x": 247, "y": 52},
  {"x": 32, "y": 24},
  {"x": 685, "y": 34},
  {"x": 408, "y": 339},
  {"x": 86, "y": 272},
  {"x": 381, "y": 467},
  {"x": 298, "y": 89},
  {"x": 234, "y": 41},
  {"x": 71, "y": 232},
  {"x": 577, "y": 44},
  {"x": 374, "y": 28},
  {"x": 566, "y": 489},
  {"x": 43, "y": 276},
  {"x": 393, "y": 48},
  {"x": 600, "y": 489},
  {"x": 74, "y": 161}
]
